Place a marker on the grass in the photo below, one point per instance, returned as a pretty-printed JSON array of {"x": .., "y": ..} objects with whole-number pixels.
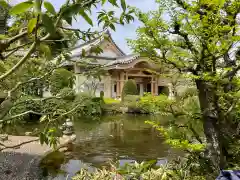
[{"x": 111, "y": 101}]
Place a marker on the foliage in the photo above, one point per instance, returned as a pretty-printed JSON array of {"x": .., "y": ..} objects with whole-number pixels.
[
  {"x": 67, "y": 93},
  {"x": 111, "y": 101},
  {"x": 129, "y": 88},
  {"x": 35, "y": 68},
  {"x": 144, "y": 171},
  {"x": 112, "y": 107},
  {"x": 61, "y": 78},
  {"x": 87, "y": 105},
  {"x": 153, "y": 104},
  {"x": 198, "y": 41},
  {"x": 24, "y": 104},
  {"x": 32, "y": 52},
  {"x": 130, "y": 101}
]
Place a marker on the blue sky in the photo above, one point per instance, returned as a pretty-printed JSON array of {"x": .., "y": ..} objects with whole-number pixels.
[{"x": 122, "y": 32}]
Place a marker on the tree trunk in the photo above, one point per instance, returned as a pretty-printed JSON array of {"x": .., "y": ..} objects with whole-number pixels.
[{"x": 210, "y": 117}]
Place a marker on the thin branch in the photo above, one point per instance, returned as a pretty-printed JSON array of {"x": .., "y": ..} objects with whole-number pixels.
[
  {"x": 18, "y": 145},
  {"x": 60, "y": 40},
  {"x": 30, "y": 80},
  {"x": 72, "y": 110},
  {"x": 15, "y": 38},
  {"x": 232, "y": 73},
  {"x": 23, "y": 60},
  {"x": 230, "y": 108},
  {"x": 22, "y": 114},
  {"x": 9, "y": 54},
  {"x": 18, "y": 47}
]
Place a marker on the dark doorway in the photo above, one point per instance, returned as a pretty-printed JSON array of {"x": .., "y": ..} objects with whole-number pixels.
[
  {"x": 163, "y": 90},
  {"x": 115, "y": 88},
  {"x": 149, "y": 89},
  {"x": 138, "y": 88}
]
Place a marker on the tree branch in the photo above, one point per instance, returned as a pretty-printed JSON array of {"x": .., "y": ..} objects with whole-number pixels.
[
  {"x": 22, "y": 114},
  {"x": 22, "y": 61},
  {"x": 18, "y": 145}
]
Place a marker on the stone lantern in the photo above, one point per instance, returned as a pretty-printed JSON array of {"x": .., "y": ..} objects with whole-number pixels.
[{"x": 68, "y": 127}]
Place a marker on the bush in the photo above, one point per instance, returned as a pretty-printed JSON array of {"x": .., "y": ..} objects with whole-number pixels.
[
  {"x": 131, "y": 101},
  {"x": 24, "y": 104},
  {"x": 88, "y": 105},
  {"x": 143, "y": 171},
  {"x": 61, "y": 78},
  {"x": 129, "y": 88},
  {"x": 152, "y": 104}
]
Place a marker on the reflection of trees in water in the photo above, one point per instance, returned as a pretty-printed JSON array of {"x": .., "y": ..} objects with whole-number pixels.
[{"x": 112, "y": 140}]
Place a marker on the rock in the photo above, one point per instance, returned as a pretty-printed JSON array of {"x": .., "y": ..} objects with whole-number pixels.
[
  {"x": 68, "y": 132},
  {"x": 28, "y": 133},
  {"x": 3, "y": 137},
  {"x": 63, "y": 149}
]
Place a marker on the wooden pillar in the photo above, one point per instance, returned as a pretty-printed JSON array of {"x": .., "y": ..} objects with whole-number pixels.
[
  {"x": 122, "y": 81},
  {"x": 118, "y": 85},
  {"x": 152, "y": 86},
  {"x": 108, "y": 87},
  {"x": 156, "y": 86}
]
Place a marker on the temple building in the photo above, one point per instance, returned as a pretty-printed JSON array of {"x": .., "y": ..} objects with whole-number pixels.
[{"x": 119, "y": 68}]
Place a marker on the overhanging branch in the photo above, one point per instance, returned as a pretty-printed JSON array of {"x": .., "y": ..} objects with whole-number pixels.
[{"x": 22, "y": 61}]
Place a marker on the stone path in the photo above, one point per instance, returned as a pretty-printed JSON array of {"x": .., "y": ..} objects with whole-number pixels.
[{"x": 22, "y": 163}]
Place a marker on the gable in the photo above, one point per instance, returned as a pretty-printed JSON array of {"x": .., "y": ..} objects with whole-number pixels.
[{"x": 110, "y": 49}]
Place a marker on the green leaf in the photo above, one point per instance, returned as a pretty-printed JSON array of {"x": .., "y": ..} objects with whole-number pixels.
[
  {"x": 32, "y": 24},
  {"x": 83, "y": 52},
  {"x": 112, "y": 27},
  {"x": 21, "y": 8},
  {"x": 2, "y": 36},
  {"x": 113, "y": 2},
  {"x": 68, "y": 19},
  {"x": 44, "y": 48},
  {"x": 104, "y": 1},
  {"x": 4, "y": 4},
  {"x": 123, "y": 4},
  {"x": 49, "y": 7},
  {"x": 48, "y": 23},
  {"x": 86, "y": 17}
]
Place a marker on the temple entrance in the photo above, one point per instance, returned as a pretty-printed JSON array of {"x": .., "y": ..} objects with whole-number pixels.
[{"x": 146, "y": 81}]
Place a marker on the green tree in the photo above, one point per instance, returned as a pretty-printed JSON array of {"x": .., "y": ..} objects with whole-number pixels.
[
  {"x": 200, "y": 40},
  {"x": 61, "y": 78},
  {"x": 129, "y": 88},
  {"x": 37, "y": 30}
]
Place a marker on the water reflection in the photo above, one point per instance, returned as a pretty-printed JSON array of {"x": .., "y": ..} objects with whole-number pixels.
[{"x": 124, "y": 138}]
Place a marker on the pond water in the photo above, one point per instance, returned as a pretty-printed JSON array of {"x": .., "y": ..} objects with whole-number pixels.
[{"x": 123, "y": 138}]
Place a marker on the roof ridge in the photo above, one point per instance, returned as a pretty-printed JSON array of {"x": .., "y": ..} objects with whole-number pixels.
[{"x": 100, "y": 38}]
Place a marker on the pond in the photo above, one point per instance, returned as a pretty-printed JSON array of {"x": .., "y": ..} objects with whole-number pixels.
[{"x": 123, "y": 138}]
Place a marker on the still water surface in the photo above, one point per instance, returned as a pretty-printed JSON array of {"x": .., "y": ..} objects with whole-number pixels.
[{"x": 123, "y": 138}]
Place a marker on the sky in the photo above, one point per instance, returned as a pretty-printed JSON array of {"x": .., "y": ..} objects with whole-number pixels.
[{"x": 122, "y": 32}]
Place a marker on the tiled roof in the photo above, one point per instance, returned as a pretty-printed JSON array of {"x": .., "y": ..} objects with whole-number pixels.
[{"x": 123, "y": 60}]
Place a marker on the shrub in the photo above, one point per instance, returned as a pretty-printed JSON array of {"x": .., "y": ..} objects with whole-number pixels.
[
  {"x": 60, "y": 79},
  {"x": 143, "y": 171},
  {"x": 153, "y": 104},
  {"x": 24, "y": 104},
  {"x": 130, "y": 101},
  {"x": 88, "y": 105},
  {"x": 129, "y": 88}
]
